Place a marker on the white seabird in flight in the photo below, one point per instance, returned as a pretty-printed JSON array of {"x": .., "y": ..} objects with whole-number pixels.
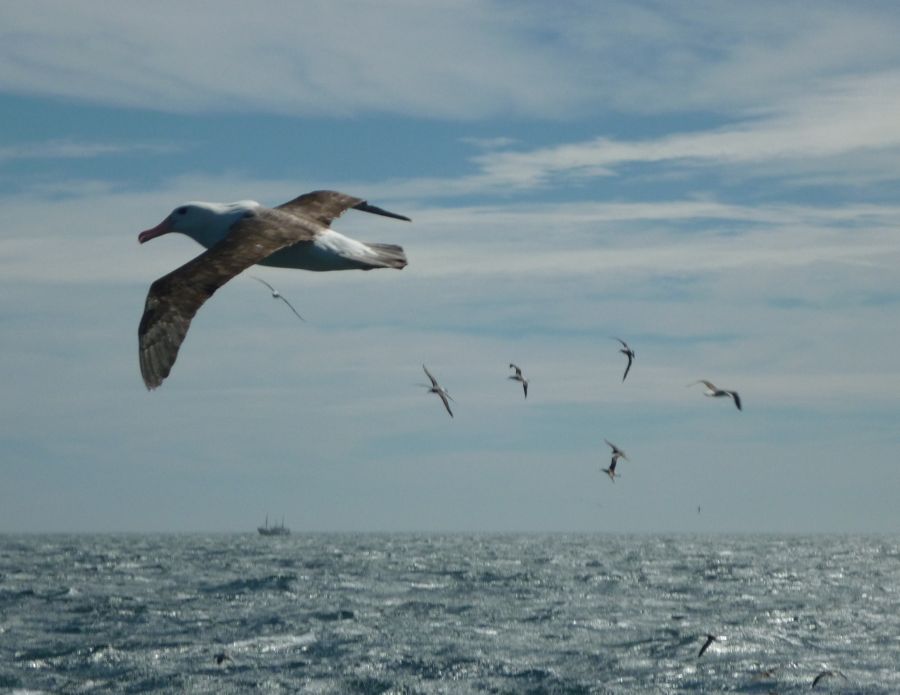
[
  {"x": 518, "y": 377},
  {"x": 296, "y": 234},
  {"x": 714, "y": 392},
  {"x": 277, "y": 295},
  {"x": 438, "y": 389}
]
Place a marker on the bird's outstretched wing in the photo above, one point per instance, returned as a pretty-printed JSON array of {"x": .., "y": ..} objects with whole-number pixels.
[
  {"x": 737, "y": 399},
  {"x": 325, "y": 206},
  {"x": 430, "y": 376},
  {"x": 444, "y": 396},
  {"x": 708, "y": 384},
  {"x": 271, "y": 289},
  {"x": 709, "y": 640},
  {"x": 174, "y": 299},
  {"x": 628, "y": 366}
]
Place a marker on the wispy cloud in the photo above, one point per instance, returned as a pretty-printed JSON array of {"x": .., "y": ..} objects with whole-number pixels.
[
  {"x": 320, "y": 58},
  {"x": 494, "y": 143},
  {"x": 849, "y": 116},
  {"x": 78, "y": 150},
  {"x": 439, "y": 59}
]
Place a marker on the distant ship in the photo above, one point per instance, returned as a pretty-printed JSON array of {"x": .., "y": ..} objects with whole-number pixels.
[{"x": 278, "y": 530}]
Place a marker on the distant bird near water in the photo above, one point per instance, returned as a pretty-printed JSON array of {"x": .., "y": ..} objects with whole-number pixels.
[
  {"x": 296, "y": 234},
  {"x": 709, "y": 640},
  {"x": 629, "y": 353},
  {"x": 222, "y": 657},
  {"x": 438, "y": 389},
  {"x": 277, "y": 295},
  {"x": 828, "y": 673},
  {"x": 617, "y": 454},
  {"x": 518, "y": 377},
  {"x": 714, "y": 392}
]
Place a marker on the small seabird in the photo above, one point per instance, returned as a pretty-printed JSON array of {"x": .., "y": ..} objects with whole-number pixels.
[
  {"x": 709, "y": 640},
  {"x": 438, "y": 389},
  {"x": 617, "y": 453},
  {"x": 518, "y": 377},
  {"x": 222, "y": 657},
  {"x": 296, "y": 234},
  {"x": 714, "y": 392},
  {"x": 629, "y": 353},
  {"x": 277, "y": 295},
  {"x": 611, "y": 471},
  {"x": 827, "y": 673}
]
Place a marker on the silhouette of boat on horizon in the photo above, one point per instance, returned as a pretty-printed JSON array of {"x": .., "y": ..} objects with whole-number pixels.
[{"x": 274, "y": 530}]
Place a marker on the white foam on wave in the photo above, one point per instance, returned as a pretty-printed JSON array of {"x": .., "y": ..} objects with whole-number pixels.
[{"x": 275, "y": 643}]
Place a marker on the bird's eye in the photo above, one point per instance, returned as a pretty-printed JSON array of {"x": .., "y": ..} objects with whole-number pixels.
[{"x": 181, "y": 211}]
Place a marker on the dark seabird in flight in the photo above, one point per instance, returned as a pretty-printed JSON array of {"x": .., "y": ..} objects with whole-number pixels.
[
  {"x": 222, "y": 657},
  {"x": 277, "y": 295},
  {"x": 714, "y": 392},
  {"x": 709, "y": 640},
  {"x": 617, "y": 453},
  {"x": 438, "y": 389},
  {"x": 296, "y": 234},
  {"x": 629, "y": 353},
  {"x": 827, "y": 673},
  {"x": 611, "y": 471},
  {"x": 518, "y": 377}
]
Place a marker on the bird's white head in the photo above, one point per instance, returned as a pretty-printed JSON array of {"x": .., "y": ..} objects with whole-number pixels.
[{"x": 205, "y": 223}]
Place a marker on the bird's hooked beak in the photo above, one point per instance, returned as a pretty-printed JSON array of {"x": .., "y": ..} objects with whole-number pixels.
[{"x": 163, "y": 227}]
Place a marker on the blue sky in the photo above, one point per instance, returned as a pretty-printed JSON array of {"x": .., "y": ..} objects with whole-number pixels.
[{"x": 714, "y": 182}]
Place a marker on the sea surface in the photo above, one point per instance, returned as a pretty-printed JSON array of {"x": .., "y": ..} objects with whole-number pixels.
[{"x": 383, "y": 613}]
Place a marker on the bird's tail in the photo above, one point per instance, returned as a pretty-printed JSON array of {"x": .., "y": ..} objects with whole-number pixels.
[{"x": 387, "y": 256}]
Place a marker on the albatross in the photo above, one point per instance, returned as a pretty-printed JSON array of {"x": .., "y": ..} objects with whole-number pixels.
[
  {"x": 277, "y": 295},
  {"x": 611, "y": 471},
  {"x": 438, "y": 389},
  {"x": 518, "y": 377},
  {"x": 714, "y": 392},
  {"x": 296, "y": 234},
  {"x": 629, "y": 353},
  {"x": 617, "y": 453}
]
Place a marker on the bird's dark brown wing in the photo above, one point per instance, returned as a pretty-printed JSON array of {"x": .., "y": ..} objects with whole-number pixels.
[
  {"x": 325, "y": 206},
  {"x": 709, "y": 640},
  {"x": 174, "y": 298}
]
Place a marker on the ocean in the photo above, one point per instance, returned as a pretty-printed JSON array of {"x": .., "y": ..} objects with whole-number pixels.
[{"x": 422, "y": 613}]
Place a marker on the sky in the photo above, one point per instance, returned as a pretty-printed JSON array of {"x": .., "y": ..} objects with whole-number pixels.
[{"x": 714, "y": 182}]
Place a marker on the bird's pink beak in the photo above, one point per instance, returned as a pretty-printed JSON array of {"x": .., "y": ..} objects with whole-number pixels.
[{"x": 163, "y": 227}]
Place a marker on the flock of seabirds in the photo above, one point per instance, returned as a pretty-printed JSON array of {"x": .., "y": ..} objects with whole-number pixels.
[{"x": 296, "y": 234}]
